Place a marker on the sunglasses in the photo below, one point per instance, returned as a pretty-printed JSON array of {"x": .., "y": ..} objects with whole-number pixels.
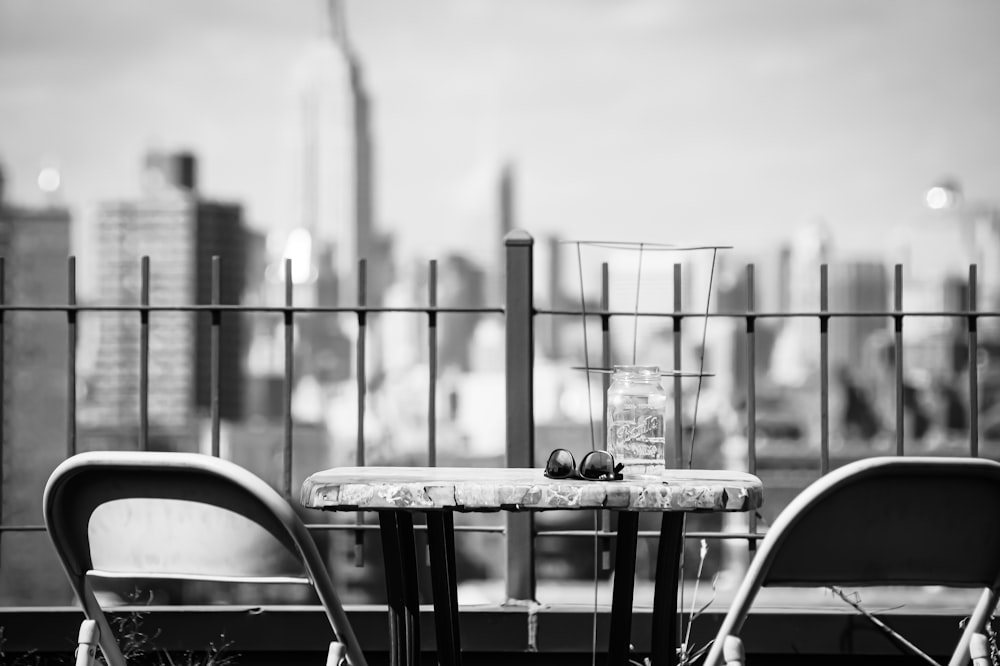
[{"x": 595, "y": 466}]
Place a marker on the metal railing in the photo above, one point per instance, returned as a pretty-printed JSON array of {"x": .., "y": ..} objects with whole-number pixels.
[{"x": 519, "y": 313}]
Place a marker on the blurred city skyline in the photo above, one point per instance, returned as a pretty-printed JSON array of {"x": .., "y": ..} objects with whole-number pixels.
[
  {"x": 732, "y": 122},
  {"x": 802, "y": 135}
]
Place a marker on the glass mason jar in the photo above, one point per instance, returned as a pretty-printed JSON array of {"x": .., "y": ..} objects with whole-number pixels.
[{"x": 637, "y": 407}]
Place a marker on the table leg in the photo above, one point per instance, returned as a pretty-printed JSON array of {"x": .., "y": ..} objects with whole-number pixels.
[
  {"x": 620, "y": 636},
  {"x": 441, "y": 539},
  {"x": 399, "y": 553},
  {"x": 668, "y": 555},
  {"x": 393, "y": 586}
]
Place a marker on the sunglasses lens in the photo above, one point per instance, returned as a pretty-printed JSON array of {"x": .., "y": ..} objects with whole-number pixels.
[
  {"x": 560, "y": 464},
  {"x": 597, "y": 465}
]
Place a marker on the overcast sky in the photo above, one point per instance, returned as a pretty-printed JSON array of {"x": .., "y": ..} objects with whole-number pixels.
[{"x": 722, "y": 121}]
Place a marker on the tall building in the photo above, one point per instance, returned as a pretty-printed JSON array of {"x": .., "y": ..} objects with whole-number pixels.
[
  {"x": 35, "y": 244},
  {"x": 329, "y": 222},
  {"x": 332, "y": 198},
  {"x": 796, "y": 355},
  {"x": 857, "y": 286},
  {"x": 506, "y": 213},
  {"x": 180, "y": 232},
  {"x": 463, "y": 284},
  {"x": 732, "y": 296}
]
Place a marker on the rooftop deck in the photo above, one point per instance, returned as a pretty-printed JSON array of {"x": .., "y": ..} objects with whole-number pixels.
[{"x": 499, "y": 619}]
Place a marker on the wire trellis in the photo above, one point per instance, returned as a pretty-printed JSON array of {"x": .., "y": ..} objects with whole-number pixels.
[{"x": 641, "y": 248}]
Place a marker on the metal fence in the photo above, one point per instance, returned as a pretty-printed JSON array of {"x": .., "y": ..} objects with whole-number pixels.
[{"x": 519, "y": 314}]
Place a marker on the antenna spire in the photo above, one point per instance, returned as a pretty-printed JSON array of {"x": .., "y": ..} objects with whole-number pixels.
[{"x": 338, "y": 23}]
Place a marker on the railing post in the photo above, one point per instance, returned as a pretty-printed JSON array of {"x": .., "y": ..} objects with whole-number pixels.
[
  {"x": 216, "y": 371},
  {"x": 432, "y": 361},
  {"x": 144, "y": 353},
  {"x": 897, "y": 289},
  {"x": 751, "y": 322},
  {"x": 289, "y": 340},
  {"x": 678, "y": 357},
  {"x": 71, "y": 323},
  {"x": 361, "y": 375},
  {"x": 605, "y": 518},
  {"x": 973, "y": 360},
  {"x": 519, "y": 378},
  {"x": 824, "y": 369}
]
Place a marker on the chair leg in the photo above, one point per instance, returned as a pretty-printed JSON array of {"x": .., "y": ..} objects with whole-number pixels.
[
  {"x": 733, "y": 652},
  {"x": 86, "y": 651},
  {"x": 979, "y": 650},
  {"x": 336, "y": 654},
  {"x": 976, "y": 624},
  {"x": 105, "y": 637}
]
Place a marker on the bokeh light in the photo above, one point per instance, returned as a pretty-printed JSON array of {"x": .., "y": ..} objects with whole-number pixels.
[
  {"x": 940, "y": 197},
  {"x": 49, "y": 179}
]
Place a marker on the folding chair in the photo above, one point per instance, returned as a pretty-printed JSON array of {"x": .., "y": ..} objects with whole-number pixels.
[
  {"x": 85, "y": 483},
  {"x": 880, "y": 522}
]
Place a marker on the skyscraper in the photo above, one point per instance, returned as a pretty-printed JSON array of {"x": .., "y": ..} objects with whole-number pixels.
[
  {"x": 332, "y": 159},
  {"x": 34, "y": 242},
  {"x": 856, "y": 286},
  {"x": 795, "y": 361},
  {"x": 180, "y": 232}
]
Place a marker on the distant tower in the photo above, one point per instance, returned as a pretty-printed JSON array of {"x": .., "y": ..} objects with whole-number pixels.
[
  {"x": 332, "y": 197},
  {"x": 506, "y": 200},
  {"x": 506, "y": 222},
  {"x": 784, "y": 278},
  {"x": 796, "y": 354},
  {"x": 859, "y": 286},
  {"x": 180, "y": 232}
]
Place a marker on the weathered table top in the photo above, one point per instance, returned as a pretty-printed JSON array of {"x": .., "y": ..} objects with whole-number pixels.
[{"x": 514, "y": 489}]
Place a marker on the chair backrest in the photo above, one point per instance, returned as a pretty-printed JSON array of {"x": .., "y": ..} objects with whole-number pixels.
[
  {"x": 892, "y": 521},
  {"x": 884, "y": 521},
  {"x": 89, "y": 482}
]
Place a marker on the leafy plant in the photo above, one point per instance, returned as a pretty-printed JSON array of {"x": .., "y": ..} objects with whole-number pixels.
[
  {"x": 215, "y": 656},
  {"x": 131, "y": 640},
  {"x": 991, "y": 639},
  {"x": 991, "y": 636},
  {"x": 687, "y": 654},
  {"x": 135, "y": 644}
]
